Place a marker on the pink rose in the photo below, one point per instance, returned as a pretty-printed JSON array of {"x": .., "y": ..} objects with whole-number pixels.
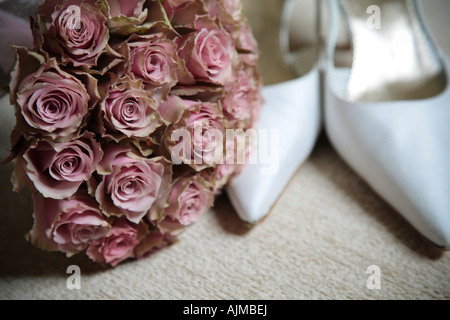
[
  {"x": 152, "y": 59},
  {"x": 187, "y": 200},
  {"x": 118, "y": 244},
  {"x": 130, "y": 110},
  {"x": 130, "y": 184},
  {"x": 74, "y": 31},
  {"x": 66, "y": 225},
  {"x": 209, "y": 52},
  {"x": 57, "y": 169},
  {"x": 52, "y": 101},
  {"x": 242, "y": 95},
  {"x": 197, "y": 139},
  {"x": 127, "y": 8}
]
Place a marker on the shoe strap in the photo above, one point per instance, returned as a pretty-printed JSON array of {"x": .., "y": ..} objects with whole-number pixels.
[{"x": 332, "y": 34}]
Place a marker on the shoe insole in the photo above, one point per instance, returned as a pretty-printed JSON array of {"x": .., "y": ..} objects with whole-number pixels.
[{"x": 393, "y": 57}]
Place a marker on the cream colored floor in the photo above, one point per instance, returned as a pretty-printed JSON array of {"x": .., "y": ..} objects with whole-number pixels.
[{"x": 324, "y": 232}]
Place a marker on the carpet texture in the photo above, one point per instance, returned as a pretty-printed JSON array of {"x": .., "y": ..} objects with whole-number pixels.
[{"x": 322, "y": 235}]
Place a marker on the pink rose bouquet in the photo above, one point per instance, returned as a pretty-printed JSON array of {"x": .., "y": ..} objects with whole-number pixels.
[{"x": 122, "y": 111}]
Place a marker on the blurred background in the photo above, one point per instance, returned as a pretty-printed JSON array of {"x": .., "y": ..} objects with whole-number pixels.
[{"x": 264, "y": 17}]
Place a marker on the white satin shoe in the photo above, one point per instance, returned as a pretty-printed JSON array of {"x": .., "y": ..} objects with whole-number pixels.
[
  {"x": 388, "y": 115},
  {"x": 292, "y": 117}
]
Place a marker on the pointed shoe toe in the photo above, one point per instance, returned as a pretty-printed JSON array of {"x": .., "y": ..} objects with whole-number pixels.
[
  {"x": 292, "y": 121},
  {"x": 402, "y": 149}
]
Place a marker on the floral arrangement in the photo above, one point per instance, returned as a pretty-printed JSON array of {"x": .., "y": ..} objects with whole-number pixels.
[{"x": 101, "y": 103}]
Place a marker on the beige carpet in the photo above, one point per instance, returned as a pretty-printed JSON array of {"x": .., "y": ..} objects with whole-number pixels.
[{"x": 324, "y": 232}]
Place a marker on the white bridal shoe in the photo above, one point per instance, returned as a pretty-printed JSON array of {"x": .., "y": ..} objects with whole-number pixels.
[
  {"x": 292, "y": 116},
  {"x": 388, "y": 115}
]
